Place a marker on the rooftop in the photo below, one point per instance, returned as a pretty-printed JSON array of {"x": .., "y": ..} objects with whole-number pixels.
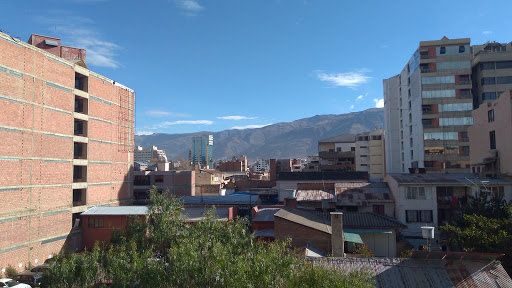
[
  {"x": 442, "y": 269},
  {"x": 220, "y": 200},
  {"x": 116, "y": 210},
  {"x": 344, "y": 138},
  {"x": 265, "y": 215},
  {"x": 324, "y": 175},
  {"x": 358, "y": 193},
  {"x": 445, "y": 179},
  {"x": 350, "y": 220}
]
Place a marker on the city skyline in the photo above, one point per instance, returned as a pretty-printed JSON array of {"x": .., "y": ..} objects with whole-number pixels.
[{"x": 283, "y": 60}]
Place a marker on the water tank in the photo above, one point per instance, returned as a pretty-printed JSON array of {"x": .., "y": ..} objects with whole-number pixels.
[{"x": 427, "y": 232}]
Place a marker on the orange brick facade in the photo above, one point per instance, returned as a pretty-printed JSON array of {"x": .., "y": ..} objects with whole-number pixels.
[{"x": 38, "y": 149}]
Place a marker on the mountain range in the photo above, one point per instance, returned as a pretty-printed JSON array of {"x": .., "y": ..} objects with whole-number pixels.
[{"x": 281, "y": 140}]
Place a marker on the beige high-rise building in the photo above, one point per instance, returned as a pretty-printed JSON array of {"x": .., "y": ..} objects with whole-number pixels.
[{"x": 428, "y": 109}]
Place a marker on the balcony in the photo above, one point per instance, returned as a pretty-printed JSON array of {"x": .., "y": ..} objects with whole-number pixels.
[
  {"x": 80, "y": 128},
  {"x": 79, "y": 197}
]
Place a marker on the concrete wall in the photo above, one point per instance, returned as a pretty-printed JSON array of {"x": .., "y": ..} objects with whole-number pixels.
[
  {"x": 479, "y": 133},
  {"x": 36, "y": 152},
  {"x": 301, "y": 235},
  {"x": 392, "y": 124}
]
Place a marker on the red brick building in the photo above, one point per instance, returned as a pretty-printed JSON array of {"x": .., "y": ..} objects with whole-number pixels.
[{"x": 66, "y": 144}]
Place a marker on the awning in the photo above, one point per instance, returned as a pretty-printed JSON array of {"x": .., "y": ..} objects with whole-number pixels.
[
  {"x": 366, "y": 231},
  {"x": 352, "y": 237}
]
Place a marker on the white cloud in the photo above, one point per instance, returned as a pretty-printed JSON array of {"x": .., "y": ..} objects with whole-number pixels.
[
  {"x": 351, "y": 106},
  {"x": 236, "y": 118},
  {"x": 190, "y": 7},
  {"x": 361, "y": 96},
  {"x": 249, "y": 126},
  {"x": 159, "y": 113},
  {"x": 79, "y": 31},
  {"x": 183, "y": 122},
  {"x": 144, "y": 132},
  {"x": 487, "y": 32},
  {"x": 379, "y": 103},
  {"x": 350, "y": 79}
]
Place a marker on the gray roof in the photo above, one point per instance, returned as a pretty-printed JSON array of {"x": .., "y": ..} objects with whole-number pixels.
[
  {"x": 315, "y": 195},
  {"x": 354, "y": 193},
  {"x": 265, "y": 233},
  {"x": 344, "y": 138},
  {"x": 350, "y": 220},
  {"x": 220, "y": 200},
  {"x": 445, "y": 179},
  {"x": 265, "y": 215},
  {"x": 116, "y": 210},
  {"x": 441, "y": 269}
]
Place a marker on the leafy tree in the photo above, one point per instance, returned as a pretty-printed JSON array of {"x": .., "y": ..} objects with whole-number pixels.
[{"x": 209, "y": 253}]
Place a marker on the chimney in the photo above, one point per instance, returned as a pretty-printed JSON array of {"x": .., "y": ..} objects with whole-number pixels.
[{"x": 337, "y": 237}]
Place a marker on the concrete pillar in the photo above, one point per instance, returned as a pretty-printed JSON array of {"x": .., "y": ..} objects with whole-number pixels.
[{"x": 337, "y": 237}]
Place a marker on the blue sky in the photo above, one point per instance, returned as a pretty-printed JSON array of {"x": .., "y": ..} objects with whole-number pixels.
[{"x": 210, "y": 65}]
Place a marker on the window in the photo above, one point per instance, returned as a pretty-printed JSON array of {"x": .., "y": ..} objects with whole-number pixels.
[
  {"x": 410, "y": 129},
  {"x": 492, "y": 139},
  {"x": 438, "y": 80},
  {"x": 424, "y": 216},
  {"x": 411, "y": 216},
  {"x": 504, "y": 80},
  {"x": 442, "y": 50},
  {"x": 159, "y": 178},
  {"x": 504, "y": 65},
  {"x": 462, "y": 49},
  {"x": 453, "y": 65},
  {"x": 377, "y": 137},
  {"x": 487, "y": 81},
  {"x": 464, "y": 137},
  {"x": 455, "y": 107},
  {"x": 438, "y": 94},
  {"x": 412, "y": 154},
  {"x": 378, "y": 209},
  {"x": 487, "y": 66},
  {"x": 95, "y": 222},
  {"x": 424, "y": 55},
  {"x": 490, "y": 115},
  {"x": 364, "y": 156},
  {"x": 410, "y": 141},
  {"x": 441, "y": 136},
  {"x": 455, "y": 121},
  {"x": 464, "y": 151},
  {"x": 426, "y": 108},
  {"x": 427, "y": 123},
  {"x": 414, "y": 192},
  {"x": 338, "y": 149},
  {"x": 352, "y": 148}
]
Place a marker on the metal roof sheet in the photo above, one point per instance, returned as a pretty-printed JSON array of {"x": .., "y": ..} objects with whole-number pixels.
[
  {"x": 220, "y": 200},
  {"x": 445, "y": 179},
  {"x": 314, "y": 195},
  {"x": 424, "y": 272},
  {"x": 116, "y": 210}
]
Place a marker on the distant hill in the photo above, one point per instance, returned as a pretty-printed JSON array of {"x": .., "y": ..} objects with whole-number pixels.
[{"x": 281, "y": 140}]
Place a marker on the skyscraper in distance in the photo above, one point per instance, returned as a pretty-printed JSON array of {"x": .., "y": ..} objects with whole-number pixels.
[{"x": 202, "y": 151}]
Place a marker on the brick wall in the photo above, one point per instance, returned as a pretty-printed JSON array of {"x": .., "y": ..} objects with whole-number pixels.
[{"x": 36, "y": 151}]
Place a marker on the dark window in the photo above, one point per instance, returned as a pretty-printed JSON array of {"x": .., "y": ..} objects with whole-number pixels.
[
  {"x": 504, "y": 80},
  {"x": 411, "y": 216},
  {"x": 488, "y": 95},
  {"x": 424, "y": 55},
  {"x": 442, "y": 50},
  {"x": 377, "y": 137},
  {"x": 487, "y": 66},
  {"x": 77, "y": 148},
  {"x": 354, "y": 148},
  {"x": 464, "y": 151},
  {"x": 426, "y": 108},
  {"x": 492, "y": 139},
  {"x": 79, "y": 128},
  {"x": 159, "y": 178},
  {"x": 427, "y": 123},
  {"x": 426, "y": 216},
  {"x": 77, "y": 195},
  {"x": 488, "y": 81},
  {"x": 378, "y": 209},
  {"x": 504, "y": 65},
  {"x": 462, "y": 49},
  {"x": 490, "y": 115},
  {"x": 338, "y": 149},
  {"x": 424, "y": 68},
  {"x": 95, "y": 222},
  {"x": 79, "y": 105},
  {"x": 464, "y": 136}
]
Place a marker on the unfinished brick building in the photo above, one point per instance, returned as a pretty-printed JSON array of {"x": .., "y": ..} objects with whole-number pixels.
[{"x": 66, "y": 143}]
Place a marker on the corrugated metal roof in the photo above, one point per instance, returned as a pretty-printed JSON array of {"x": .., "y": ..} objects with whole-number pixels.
[
  {"x": 350, "y": 220},
  {"x": 265, "y": 215},
  {"x": 324, "y": 175},
  {"x": 314, "y": 195},
  {"x": 220, "y": 200},
  {"x": 445, "y": 179},
  {"x": 354, "y": 193},
  {"x": 116, "y": 210},
  {"x": 424, "y": 272}
]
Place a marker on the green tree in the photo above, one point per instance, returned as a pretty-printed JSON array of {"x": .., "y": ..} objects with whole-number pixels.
[{"x": 209, "y": 253}]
